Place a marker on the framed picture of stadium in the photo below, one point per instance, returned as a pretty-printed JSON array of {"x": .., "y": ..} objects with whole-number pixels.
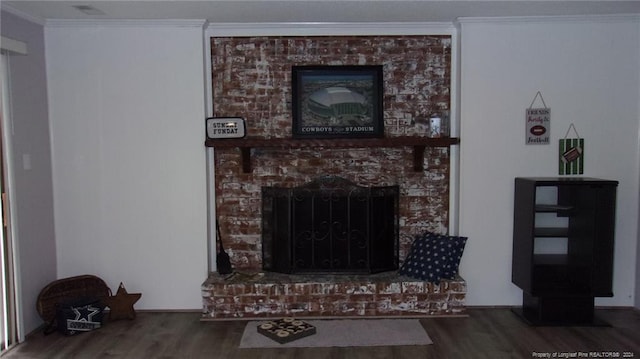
[{"x": 337, "y": 101}]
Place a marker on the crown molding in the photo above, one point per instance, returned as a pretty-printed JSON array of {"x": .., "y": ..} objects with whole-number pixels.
[
  {"x": 330, "y": 28},
  {"x": 21, "y": 14},
  {"x": 548, "y": 19},
  {"x": 199, "y": 23}
]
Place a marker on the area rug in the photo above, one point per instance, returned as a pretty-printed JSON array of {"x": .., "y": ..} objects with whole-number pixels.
[{"x": 346, "y": 333}]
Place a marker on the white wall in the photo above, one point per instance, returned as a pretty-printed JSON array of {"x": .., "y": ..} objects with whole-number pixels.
[
  {"x": 127, "y": 106},
  {"x": 127, "y": 109},
  {"x": 31, "y": 182},
  {"x": 588, "y": 72}
]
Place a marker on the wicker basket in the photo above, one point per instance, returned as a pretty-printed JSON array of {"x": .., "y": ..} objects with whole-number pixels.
[{"x": 69, "y": 288}]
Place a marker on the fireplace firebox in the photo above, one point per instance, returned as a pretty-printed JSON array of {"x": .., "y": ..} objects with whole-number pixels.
[{"x": 330, "y": 225}]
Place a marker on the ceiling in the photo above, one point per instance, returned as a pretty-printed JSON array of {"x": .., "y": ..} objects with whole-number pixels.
[{"x": 296, "y": 11}]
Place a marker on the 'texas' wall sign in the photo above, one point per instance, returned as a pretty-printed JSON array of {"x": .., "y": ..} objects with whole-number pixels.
[
  {"x": 225, "y": 127},
  {"x": 538, "y": 121}
]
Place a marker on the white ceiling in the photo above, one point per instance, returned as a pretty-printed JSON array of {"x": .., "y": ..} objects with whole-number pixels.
[{"x": 296, "y": 11}]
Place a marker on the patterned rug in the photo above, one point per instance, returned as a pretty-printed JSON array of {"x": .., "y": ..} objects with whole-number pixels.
[{"x": 345, "y": 333}]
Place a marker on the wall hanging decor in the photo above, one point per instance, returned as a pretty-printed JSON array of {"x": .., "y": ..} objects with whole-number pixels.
[
  {"x": 337, "y": 101},
  {"x": 571, "y": 153},
  {"x": 538, "y": 123}
]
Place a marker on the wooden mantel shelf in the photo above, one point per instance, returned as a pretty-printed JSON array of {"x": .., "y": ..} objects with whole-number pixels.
[{"x": 418, "y": 143}]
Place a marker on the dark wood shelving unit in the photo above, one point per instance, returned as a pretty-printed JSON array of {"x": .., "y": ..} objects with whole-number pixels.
[
  {"x": 559, "y": 288},
  {"x": 418, "y": 143}
]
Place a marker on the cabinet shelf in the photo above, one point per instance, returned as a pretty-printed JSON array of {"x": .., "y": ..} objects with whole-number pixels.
[
  {"x": 560, "y": 260},
  {"x": 563, "y": 260},
  {"x": 550, "y": 259},
  {"x": 551, "y": 232},
  {"x": 576, "y": 291},
  {"x": 552, "y": 208},
  {"x": 418, "y": 143}
]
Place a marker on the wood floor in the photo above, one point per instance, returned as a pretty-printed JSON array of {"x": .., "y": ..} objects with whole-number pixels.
[{"x": 485, "y": 333}]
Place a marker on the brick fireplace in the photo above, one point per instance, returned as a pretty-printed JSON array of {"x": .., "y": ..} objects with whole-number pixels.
[{"x": 251, "y": 78}]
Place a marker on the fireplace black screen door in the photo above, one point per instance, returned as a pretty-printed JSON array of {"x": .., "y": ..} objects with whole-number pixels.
[{"x": 330, "y": 225}]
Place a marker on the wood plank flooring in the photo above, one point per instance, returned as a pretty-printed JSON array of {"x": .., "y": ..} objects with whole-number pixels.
[{"x": 485, "y": 333}]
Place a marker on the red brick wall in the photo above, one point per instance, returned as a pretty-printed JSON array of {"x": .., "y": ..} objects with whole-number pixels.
[{"x": 252, "y": 79}]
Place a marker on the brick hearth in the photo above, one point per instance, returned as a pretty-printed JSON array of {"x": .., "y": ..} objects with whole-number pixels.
[{"x": 379, "y": 295}]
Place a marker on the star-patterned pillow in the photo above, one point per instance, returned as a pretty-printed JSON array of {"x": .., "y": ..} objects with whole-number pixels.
[{"x": 434, "y": 257}]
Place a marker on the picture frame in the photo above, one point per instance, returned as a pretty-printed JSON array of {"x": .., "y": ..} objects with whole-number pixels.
[{"x": 337, "y": 101}]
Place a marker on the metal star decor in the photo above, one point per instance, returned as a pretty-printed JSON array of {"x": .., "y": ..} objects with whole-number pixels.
[
  {"x": 121, "y": 304},
  {"x": 85, "y": 313},
  {"x": 84, "y": 320}
]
